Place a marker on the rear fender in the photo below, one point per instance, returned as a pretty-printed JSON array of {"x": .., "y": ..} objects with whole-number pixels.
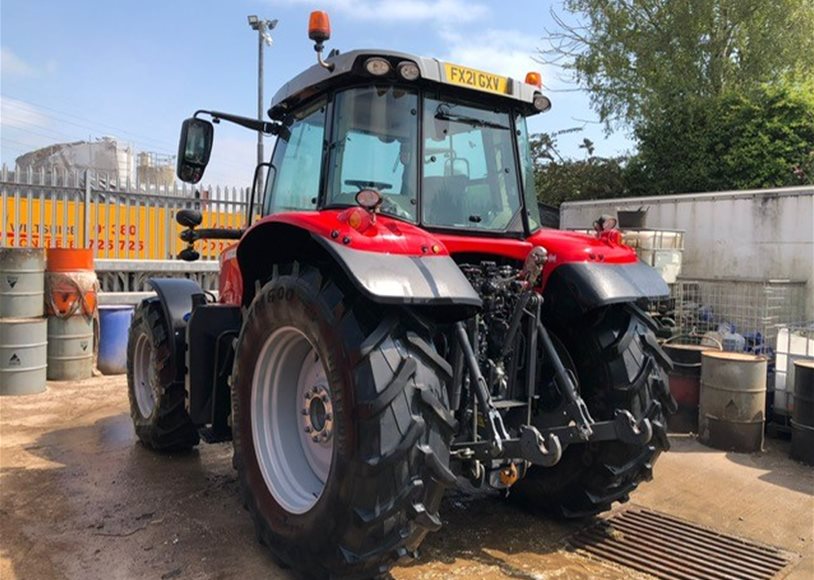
[
  {"x": 397, "y": 273},
  {"x": 575, "y": 288}
]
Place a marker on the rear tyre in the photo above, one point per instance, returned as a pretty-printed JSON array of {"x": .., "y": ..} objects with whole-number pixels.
[
  {"x": 341, "y": 428},
  {"x": 619, "y": 366},
  {"x": 157, "y": 402}
]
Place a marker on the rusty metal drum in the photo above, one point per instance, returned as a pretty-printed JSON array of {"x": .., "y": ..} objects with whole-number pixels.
[
  {"x": 685, "y": 385},
  {"x": 732, "y": 405},
  {"x": 802, "y": 415},
  {"x": 22, "y": 355},
  {"x": 21, "y": 282}
]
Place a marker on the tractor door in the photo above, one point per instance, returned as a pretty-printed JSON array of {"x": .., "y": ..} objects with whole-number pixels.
[{"x": 294, "y": 178}]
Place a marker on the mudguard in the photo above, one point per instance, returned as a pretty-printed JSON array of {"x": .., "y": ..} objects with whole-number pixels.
[
  {"x": 405, "y": 279},
  {"x": 178, "y": 297},
  {"x": 392, "y": 262},
  {"x": 584, "y": 286}
]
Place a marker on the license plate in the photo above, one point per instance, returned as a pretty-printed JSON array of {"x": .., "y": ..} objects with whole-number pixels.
[{"x": 475, "y": 79}]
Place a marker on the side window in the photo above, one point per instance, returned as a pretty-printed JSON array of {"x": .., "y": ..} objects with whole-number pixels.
[
  {"x": 297, "y": 161},
  {"x": 527, "y": 163}
]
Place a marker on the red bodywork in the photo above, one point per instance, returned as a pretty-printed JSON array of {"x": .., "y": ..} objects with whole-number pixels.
[{"x": 354, "y": 228}]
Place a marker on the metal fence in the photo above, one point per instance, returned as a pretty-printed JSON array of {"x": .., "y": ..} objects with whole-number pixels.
[{"x": 119, "y": 221}]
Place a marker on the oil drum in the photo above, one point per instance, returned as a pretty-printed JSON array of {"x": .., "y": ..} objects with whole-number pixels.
[
  {"x": 70, "y": 348},
  {"x": 731, "y": 410},
  {"x": 802, "y": 415},
  {"x": 685, "y": 385},
  {"x": 21, "y": 282},
  {"x": 22, "y": 356},
  {"x": 71, "y": 289},
  {"x": 71, "y": 286}
]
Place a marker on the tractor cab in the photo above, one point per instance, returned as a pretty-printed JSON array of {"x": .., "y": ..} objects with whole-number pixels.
[
  {"x": 434, "y": 144},
  {"x": 437, "y": 155}
]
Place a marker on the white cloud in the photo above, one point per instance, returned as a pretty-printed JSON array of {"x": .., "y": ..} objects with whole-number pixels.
[
  {"x": 404, "y": 10},
  {"x": 20, "y": 115},
  {"x": 506, "y": 52},
  {"x": 11, "y": 64}
]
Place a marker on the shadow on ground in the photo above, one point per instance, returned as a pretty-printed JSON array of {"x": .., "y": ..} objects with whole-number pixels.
[{"x": 774, "y": 460}]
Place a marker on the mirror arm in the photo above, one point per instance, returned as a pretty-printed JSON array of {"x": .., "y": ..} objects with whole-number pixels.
[{"x": 270, "y": 128}]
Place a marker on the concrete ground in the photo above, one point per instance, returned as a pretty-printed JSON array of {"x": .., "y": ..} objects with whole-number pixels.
[{"x": 79, "y": 498}]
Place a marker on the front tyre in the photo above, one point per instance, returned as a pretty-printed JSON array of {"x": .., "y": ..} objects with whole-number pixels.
[
  {"x": 157, "y": 401},
  {"x": 619, "y": 365},
  {"x": 341, "y": 428}
]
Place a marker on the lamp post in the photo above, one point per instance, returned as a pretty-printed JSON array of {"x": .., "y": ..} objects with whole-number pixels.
[{"x": 263, "y": 28}]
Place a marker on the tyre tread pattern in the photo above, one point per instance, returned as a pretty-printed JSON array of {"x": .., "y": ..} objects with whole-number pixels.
[
  {"x": 399, "y": 476},
  {"x": 169, "y": 427},
  {"x": 591, "y": 479}
]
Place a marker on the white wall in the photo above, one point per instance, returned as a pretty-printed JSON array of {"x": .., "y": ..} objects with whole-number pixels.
[{"x": 748, "y": 235}]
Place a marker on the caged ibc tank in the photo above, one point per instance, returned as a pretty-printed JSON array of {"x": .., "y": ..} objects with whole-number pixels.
[{"x": 731, "y": 411}]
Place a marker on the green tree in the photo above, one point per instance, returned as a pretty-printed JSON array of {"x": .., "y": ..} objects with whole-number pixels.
[
  {"x": 559, "y": 179},
  {"x": 763, "y": 138},
  {"x": 638, "y": 58}
]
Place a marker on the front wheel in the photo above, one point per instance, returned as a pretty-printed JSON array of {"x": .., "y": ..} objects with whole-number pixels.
[
  {"x": 619, "y": 365},
  {"x": 341, "y": 429},
  {"x": 157, "y": 401}
]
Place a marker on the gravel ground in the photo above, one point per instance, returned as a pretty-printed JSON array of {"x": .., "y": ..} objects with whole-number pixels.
[{"x": 79, "y": 498}]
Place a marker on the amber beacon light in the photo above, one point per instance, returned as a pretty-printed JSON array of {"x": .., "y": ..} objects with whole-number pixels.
[
  {"x": 319, "y": 26},
  {"x": 534, "y": 78}
]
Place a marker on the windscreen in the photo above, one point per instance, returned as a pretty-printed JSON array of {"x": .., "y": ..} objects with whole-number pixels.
[
  {"x": 375, "y": 145},
  {"x": 469, "y": 172}
]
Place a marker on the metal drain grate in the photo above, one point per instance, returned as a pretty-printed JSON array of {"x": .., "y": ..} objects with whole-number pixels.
[{"x": 671, "y": 548}]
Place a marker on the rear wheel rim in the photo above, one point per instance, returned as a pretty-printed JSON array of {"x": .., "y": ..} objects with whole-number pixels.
[
  {"x": 143, "y": 376},
  {"x": 292, "y": 420}
]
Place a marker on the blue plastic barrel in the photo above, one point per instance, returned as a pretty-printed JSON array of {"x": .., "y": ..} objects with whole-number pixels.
[{"x": 114, "y": 324}]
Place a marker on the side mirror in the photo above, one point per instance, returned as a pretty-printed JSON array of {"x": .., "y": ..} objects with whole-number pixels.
[
  {"x": 194, "y": 147},
  {"x": 189, "y": 218}
]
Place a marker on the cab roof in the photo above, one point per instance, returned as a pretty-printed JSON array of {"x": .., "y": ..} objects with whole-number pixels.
[{"x": 349, "y": 69}]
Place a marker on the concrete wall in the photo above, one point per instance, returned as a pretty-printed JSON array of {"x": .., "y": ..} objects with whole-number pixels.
[{"x": 747, "y": 235}]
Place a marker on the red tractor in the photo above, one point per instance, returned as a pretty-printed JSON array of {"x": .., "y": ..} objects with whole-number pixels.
[{"x": 398, "y": 319}]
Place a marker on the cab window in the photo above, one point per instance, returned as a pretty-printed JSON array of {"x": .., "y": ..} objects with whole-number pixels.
[
  {"x": 527, "y": 165},
  {"x": 294, "y": 179},
  {"x": 469, "y": 177},
  {"x": 375, "y": 146}
]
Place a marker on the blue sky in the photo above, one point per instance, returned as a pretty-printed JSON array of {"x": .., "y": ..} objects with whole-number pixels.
[{"x": 134, "y": 70}]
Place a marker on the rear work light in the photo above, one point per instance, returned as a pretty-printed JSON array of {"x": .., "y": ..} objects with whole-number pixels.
[
  {"x": 409, "y": 70},
  {"x": 541, "y": 103},
  {"x": 376, "y": 66}
]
